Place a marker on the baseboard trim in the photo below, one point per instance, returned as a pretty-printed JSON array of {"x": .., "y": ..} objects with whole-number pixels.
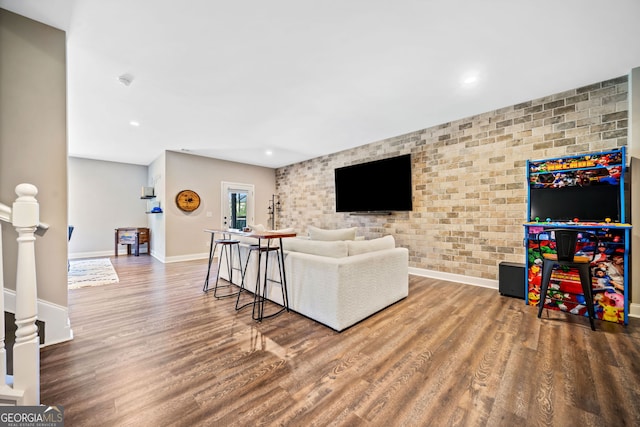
[
  {"x": 97, "y": 254},
  {"x": 56, "y": 318},
  {"x": 190, "y": 257},
  {"x": 634, "y": 309},
  {"x": 459, "y": 278}
]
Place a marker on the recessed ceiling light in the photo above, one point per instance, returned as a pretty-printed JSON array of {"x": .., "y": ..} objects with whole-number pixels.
[
  {"x": 134, "y": 123},
  {"x": 470, "y": 80},
  {"x": 268, "y": 152}
]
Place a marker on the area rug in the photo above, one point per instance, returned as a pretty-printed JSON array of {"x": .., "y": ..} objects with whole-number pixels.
[{"x": 91, "y": 272}]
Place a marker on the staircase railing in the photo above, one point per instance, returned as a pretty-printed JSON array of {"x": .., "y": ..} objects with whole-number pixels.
[{"x": 24, "y": 387}]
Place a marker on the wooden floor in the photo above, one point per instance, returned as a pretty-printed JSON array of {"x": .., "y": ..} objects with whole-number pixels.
[{"x": 153, "y": 350}]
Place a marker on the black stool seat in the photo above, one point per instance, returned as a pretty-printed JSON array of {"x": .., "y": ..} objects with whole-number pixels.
[
  {"x": 227, "y": 242},
  {"x": 227, "y": 246},
  {"x": 565, "y": 244}
]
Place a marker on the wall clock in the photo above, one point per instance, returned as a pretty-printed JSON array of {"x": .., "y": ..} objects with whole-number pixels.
[{"x": 187, "y": 200}]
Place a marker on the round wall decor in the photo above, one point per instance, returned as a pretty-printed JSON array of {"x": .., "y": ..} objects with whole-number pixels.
[{"x": 187, "y": 200}]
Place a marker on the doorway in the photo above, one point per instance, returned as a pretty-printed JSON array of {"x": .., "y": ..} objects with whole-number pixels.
[{"x": 237, "y": 205}]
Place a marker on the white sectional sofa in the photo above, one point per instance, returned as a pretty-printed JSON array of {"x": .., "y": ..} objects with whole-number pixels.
[{"x": 335, "y": 282}]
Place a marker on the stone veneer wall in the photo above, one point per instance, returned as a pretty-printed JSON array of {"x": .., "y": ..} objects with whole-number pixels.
[{"x": 469, "y": 178}]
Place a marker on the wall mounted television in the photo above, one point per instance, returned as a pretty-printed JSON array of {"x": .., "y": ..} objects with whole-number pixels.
[{"x": 377, "y": 186}]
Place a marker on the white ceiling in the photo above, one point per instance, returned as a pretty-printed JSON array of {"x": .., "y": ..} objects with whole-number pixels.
[{"x": 301, "y": 78}]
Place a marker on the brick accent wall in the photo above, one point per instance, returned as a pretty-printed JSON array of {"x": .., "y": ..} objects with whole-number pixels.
[{"x": 469, "y": 178}]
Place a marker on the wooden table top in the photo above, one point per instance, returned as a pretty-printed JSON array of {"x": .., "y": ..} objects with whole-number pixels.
[{"x": 254, "y": 234}]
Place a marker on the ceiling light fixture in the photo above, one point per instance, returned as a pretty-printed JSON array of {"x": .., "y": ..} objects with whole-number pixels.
[
  {"x": 125, "y": 79},
  {"x": 268, "y": 152},
  {"x": 134, "y": 123}
]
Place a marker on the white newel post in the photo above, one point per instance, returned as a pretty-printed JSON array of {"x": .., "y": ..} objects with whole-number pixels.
[{"x": 26, "y": 351}]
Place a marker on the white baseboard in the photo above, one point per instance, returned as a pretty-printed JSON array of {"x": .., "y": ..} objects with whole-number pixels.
[
  {"x": 56, "y": 318},
  {"x": 180, "y": 258},
  {"x": 164, "y": 260},
  {"x": 96, "y": 254},
  {"x": 634, "y": 309},
  {"x": 459, "y": 278}
]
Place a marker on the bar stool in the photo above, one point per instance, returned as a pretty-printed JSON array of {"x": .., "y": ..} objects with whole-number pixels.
[
  {"x": 260, "y": 292},
  {"x": 227, "y": 246},
  {"x": 565, "y": 242}
]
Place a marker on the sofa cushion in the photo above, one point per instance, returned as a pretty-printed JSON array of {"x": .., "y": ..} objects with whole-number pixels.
[
  {"x": 316, "y": 233},
  {"x": 357, "y": 247},
  {"x": 284, "y": 230},
  {"x": 259, "y": 228},
  {"x": 335, "y": 249}
]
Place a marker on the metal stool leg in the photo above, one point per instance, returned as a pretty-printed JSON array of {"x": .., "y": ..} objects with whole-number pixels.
[
  {"x": 227, "y": 249},
  {"x": 242, "y": 287},
  {"x": 547, "y": 269},
  {"x": 261, "y": 299},
  {"x": 585, "y": 281},
  {"x": 212, "y": 250}
]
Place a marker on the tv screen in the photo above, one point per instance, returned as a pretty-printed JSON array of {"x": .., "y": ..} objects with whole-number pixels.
[
  {"x": 593, "y": 203},
  {"x": 381, "y": 185}
]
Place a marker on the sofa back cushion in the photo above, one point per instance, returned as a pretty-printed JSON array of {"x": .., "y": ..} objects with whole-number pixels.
[
  {"x": 357, "y": 247},
  {"x": 316, "y": 233},
  {"x": 335, "y": 249},
  {"x": 259, "y": 228}
]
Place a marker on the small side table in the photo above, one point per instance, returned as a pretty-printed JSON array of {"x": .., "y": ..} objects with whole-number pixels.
[{"x": 133, "y": 236}]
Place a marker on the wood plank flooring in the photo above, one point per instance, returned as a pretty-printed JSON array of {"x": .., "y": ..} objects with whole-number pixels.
[{"x": 153, "y": 350}]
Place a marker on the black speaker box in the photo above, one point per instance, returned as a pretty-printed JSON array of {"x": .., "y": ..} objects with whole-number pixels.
[{"x": 511, "y": 279}]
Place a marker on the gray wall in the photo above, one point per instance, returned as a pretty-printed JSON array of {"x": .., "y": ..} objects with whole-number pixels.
[
  {"x": 102, "y": 197},
  {"x": 106, "y": 195},
  {"x": 33, "y": 142},
  {"x": 185, "y": 238},
  {"x": 634, "y": 151}
]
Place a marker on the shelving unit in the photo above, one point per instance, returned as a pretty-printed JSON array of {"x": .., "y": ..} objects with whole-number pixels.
[{"x": 152, "y": 205}]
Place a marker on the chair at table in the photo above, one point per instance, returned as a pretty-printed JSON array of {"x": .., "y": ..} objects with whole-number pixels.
[{"x": 565, "y": 240}]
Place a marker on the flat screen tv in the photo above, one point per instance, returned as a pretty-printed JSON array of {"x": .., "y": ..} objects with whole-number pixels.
[
  {"x": 592, "y": 203},
  {"x": 378, "y": 186}
]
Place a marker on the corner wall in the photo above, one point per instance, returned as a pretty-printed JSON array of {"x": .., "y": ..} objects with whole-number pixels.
[
  {"x": 469, "y": 178},
  {"x": 184, "y": 237},
  {"x": 33, "y": 143},
  {"x": 102, "y": 197},
  {"x": 634, "y": 154}
]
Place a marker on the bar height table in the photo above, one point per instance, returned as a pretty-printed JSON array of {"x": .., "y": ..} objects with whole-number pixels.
[{"x": 260, "y": 236}]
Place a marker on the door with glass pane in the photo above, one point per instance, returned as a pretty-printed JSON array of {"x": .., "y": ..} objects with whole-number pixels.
[{"x": 237, "y": 205}]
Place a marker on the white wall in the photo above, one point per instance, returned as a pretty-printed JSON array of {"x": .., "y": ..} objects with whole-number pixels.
[{"x": 102, "y": 197}]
